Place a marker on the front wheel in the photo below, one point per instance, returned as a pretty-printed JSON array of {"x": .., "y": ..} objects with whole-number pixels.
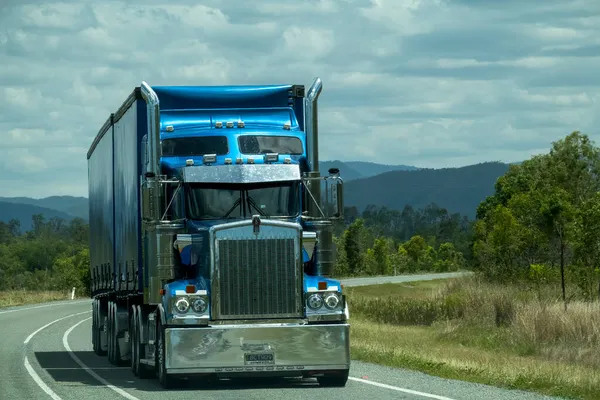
[
  {"x": 334, "y": 380},
  {"x": 166, "y": 380}
]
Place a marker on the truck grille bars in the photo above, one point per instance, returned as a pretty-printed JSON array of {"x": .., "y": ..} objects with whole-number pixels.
[{"x": 258, "y": 276}]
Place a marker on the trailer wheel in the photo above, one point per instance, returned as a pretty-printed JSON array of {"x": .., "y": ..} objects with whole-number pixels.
[
  {"x": 133, "y": 343},
  {"x": 166, "y": 380},
  {"x": 109, "y": 333},
  {"x": 95, "y": 344},
  {"x": 337, "y": 380}
]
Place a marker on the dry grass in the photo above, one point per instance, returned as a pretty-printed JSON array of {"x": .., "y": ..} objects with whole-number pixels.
[
  {"x": 470, "y": 330},
  {"x": 12, "y": 298}
]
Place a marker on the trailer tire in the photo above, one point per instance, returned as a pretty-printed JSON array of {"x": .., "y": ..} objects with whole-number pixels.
[
  {"x": 96, "y": 331},
  {"x": 133, "y": 342},
  {"x": 166, "y": 380},
  {"x": 109, "y": 333}
]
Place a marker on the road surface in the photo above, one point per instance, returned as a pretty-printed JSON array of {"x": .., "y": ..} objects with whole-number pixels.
[{"x": 46, "y": 354}]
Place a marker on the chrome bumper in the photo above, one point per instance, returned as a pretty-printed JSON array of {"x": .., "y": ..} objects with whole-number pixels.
[{"x": 273, "y": 349}]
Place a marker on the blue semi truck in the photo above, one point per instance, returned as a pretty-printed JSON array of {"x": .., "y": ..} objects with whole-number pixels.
[{"x": 211, "y": 236}]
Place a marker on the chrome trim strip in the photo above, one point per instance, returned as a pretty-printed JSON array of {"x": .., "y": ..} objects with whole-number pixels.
[{"x": 253, "y": 173}]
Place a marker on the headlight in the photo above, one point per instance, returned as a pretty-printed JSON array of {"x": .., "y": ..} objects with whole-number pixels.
[
  {"x": 315, "y": 301},
  {"x": 182, "y": 305},
  {"x": 199, "y": 306},
  {"x": 332, "y": 301}
]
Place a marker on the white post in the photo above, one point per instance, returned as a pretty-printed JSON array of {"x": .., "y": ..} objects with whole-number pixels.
[{"x": 73, "y": 294}]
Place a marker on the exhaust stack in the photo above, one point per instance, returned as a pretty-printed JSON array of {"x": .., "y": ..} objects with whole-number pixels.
[{"x": 312, "y": 124}]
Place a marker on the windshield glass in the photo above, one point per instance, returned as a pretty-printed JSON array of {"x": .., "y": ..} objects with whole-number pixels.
[
  {"x": 195, "y": 146},
  {"x": 225, "y": 201},
  {"x": 261, "y": 144}
]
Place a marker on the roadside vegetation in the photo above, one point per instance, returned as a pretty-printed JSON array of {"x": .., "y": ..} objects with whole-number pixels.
[
  {"x": 512, "y": 336},
  {"x": 10, "y": 298},
  {"x": 45, "y": 263},
  {"x": 530, "y": 317}
]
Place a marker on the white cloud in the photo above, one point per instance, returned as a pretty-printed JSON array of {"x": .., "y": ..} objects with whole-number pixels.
[{"x": 431, "y": 83}]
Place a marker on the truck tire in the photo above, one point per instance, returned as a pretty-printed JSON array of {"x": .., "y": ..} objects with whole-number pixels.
[
  {"x": 166, "y": 380},
  {"x": 138, "y": 350},
  {"x": 133, "y": 342},
  {"x": 109, "y": 333},
  {"x": 337, "y": 380}
]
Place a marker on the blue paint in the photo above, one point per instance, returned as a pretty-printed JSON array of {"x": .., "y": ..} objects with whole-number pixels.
[
  {"x": 226, "y": 97},
  {"x": 313, "y": 281}
]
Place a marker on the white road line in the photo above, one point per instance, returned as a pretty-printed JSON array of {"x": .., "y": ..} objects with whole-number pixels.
[
  {"x": 47, "y": 325},
  {"x": 89, "y": 370},
  {"x": 46, "y": 305},
  {"x": 39, "y": 381},
  {"x": 399, "y": 389}
]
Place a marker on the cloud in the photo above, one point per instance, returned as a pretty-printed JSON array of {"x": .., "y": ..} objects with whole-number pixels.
[{"x": 431, "y": 83}]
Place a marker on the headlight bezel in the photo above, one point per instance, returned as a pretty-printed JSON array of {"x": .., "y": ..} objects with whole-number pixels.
[
  {"x": 325, "y": 312},
  {"x": 192, "y": 314}
]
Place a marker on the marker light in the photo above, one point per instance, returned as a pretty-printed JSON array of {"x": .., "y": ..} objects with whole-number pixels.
[
  {"x": 239, "y": 160},
  {"x": 228, "y": 161},
  {"x": 271, "y": 157},
  {"x": 287, "y": 126},
  {"x": 250, "y": 160},
  {"x": 241, "y": 124},
  {"x": 229, "y": 124},
  {"x": 170, "y": 128},
  {"x": 287, "y": 160},
  {"x": 209, "y": 158},
  {"x": 218, "y": 124},
  {"x": 189, "y": 162}
]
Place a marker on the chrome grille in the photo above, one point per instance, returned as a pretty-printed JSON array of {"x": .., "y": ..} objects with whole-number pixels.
[{"x": 258, "y": 277}]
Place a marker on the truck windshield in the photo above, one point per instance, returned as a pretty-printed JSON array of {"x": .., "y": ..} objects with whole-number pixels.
[{"x": 234, "y": 201}]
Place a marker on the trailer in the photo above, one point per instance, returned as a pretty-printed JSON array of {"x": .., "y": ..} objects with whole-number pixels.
[{"x": 211, "y": 236}]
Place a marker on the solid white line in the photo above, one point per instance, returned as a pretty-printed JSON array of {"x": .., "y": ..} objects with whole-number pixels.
[
  {"x": 46, "y": 305},
  {"x": 399, "y": 389},
  {"x": 86, "y": 368},
  {"x": 47, "y": 325},
  {"x": 39, "y": 381}
]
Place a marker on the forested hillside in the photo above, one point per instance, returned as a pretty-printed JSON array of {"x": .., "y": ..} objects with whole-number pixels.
[{"x": 456, "y": 189}]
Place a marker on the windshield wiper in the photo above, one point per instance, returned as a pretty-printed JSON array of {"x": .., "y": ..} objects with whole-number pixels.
[
  {"x": 253, "y": 204},
  {"x": 235, "y": 205}
]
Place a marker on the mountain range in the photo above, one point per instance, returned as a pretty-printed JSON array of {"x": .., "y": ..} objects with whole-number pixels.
[{"x": 394, "y": 186}]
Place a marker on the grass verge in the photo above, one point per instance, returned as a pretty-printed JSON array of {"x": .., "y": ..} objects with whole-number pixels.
[
  {"x": 11, "y": 298},
  {"x": 465, "y": 329}
]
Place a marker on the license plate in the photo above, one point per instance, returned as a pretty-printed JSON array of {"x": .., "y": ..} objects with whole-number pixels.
[{"x": 259, "y": 358}]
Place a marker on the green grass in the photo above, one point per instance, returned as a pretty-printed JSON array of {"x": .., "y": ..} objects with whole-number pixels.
[
  {"x": 12, "y": 298},
  {"x": 465, "y": 329}
]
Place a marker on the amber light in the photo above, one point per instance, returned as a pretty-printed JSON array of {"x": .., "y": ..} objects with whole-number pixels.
[
  {"x": 190, "y": 289},
  {"x": 162, "y": 292},
  {"x": 322, "y": 285}
]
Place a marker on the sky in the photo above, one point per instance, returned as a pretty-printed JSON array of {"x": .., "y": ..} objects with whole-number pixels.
[{"x": 430, "y": 83}]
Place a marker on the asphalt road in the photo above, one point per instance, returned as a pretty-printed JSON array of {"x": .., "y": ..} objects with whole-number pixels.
[{"x": 46, "y": 354}]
